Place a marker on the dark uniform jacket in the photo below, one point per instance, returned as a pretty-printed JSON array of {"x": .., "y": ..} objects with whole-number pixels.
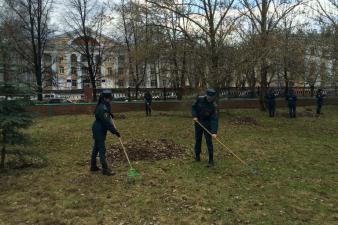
[
  {"x": 270, "y": 97},
  {"x": 320, "y": 97},
  {"x": 103, "y": 121},
  {"x": 291, "y": 98},
  {"x": 206, "y": 112},
  {"x": 148, "y": 98}
]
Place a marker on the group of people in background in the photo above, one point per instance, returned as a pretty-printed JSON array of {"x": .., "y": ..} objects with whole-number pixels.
[{"x": 291, "y": 99}]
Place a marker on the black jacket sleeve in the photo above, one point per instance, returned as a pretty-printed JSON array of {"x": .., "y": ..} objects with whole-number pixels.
[{"x": 103, "y": 115}]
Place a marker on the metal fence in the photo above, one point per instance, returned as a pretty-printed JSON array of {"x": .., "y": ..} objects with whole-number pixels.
[
  {"x": 234, "y": 92},
  {"x": 131, "y": 94},
  {"x": 231, "y": 92}
]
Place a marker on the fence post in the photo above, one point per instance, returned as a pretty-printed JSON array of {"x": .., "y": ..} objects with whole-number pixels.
[{"x": 129, "y": 94}]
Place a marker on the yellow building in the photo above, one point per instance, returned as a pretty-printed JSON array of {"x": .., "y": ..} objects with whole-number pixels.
[{"x": 68, "y": 68}]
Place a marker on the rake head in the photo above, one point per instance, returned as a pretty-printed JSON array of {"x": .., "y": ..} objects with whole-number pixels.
[{"x": 132, "y": 173}]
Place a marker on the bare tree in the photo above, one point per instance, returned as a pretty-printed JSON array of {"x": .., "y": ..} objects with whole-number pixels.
[
  {"x": 87, "y": 21},
  {"x": 265, "y": 16},
  {"x": 33, "y": 17},
  {"x": 328, "y": 11},
  {"x": 134, "y": 21},
  {"x": 213, "y": 22}
]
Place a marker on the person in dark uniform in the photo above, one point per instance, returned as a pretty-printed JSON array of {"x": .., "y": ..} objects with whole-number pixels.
[
  {"x": 204, "y": 110},
  {"x": 148, "y": 98},
  {"x": 271, "y": 100},
  {"x": 103, "y": 123},
  {"x": 291, "y": 98},
  {"x": 320, "y": 99}
]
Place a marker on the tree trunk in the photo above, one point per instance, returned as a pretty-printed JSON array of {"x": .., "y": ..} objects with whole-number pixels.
[
  {"x": 253, "y": 82},
  {"x": 3, "y": 152},
  {"x": 137, "y": 90},
  {"x": 264, "y": 82},
  {"x": 3, "y": 157},
  {"x": 94, "y": 90},
  {"x": 312, "y": 89},
  {"x": 286, "y": 80}
]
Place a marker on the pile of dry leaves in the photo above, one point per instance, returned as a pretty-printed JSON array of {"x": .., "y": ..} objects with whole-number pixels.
[{"x": 143, "y": 149}]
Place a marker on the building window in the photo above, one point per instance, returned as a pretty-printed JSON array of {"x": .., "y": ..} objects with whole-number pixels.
[
  {"x": 83, "y": 58},
  {"x": 120, "y": 83},
  {"x": 103, "y": 81},
  {"x": 84, "y": 71},
  {"x": 21, "y": 70},
  {"x": 61, "y": 70},
  {"x": 98, "y": 83},
  {"x": 120, "y": 72},
  {"x": 131, "y": 83},
  {"x": 98, "y": 59},
  {"x": 121, "y": 59},
  {"x": 74, "y": 70},
  {"x": 74, "y": 83},
  {"x": 61, "y": 59},
  {"x": 110, "y": 71},
  {"x": 74, "y": 58},
  {"x": 154, "y": 83},
  {"x": 153, "y": 71}
]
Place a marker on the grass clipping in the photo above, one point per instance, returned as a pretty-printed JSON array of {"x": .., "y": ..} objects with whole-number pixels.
[{"x": 147, "y": 150}]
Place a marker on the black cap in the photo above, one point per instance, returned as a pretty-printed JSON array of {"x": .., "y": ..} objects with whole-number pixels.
[
  {"x": 107, "y": 93},
  {"x": 211, "y": 92}
]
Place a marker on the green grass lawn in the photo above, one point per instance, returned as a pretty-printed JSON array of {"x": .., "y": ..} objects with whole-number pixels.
[{"x": 297, "y": 160}]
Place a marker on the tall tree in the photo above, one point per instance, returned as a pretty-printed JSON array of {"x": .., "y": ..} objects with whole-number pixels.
[
  {"x": 212, "y": 20},
  {"x": 33, "y": 17},
  {"x": 328, "y": 11},
  {"x": 135, "y": 31},
  {"x": 87, "y": 20},
  {"x": 265, "y": 16}
]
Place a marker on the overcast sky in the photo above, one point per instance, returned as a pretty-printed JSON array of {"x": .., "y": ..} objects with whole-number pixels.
[{"x": 60, "y": 7}]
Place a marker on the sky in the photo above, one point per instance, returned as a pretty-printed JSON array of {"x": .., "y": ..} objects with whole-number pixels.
[{"x": 60, "y": 8}]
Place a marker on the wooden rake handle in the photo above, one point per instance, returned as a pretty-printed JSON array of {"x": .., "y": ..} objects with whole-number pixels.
[
  {"x": 124, "y": 148},
  {"x": 219, "y": 141}
]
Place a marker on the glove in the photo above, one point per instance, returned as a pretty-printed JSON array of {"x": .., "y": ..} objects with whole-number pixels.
[{"x": 118, "y": 134}]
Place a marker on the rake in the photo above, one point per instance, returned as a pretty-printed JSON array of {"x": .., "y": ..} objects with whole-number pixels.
[
  {"x": 132, "y": 172},
  {"x": 252, "y": 170}
]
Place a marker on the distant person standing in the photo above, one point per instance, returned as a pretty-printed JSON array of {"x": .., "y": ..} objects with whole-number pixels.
[
  {"x": 271, "y": 100},
  {"x": 148, "y": 98},
  {"x": 291, "y": 98},
  {"x": 320, "y": 99}
]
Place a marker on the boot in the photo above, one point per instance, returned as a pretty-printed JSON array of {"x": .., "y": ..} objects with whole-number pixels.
[
  {"x": 94, "y": 168},
  {"x": 108, "y": 172},
  {"x": 211, "y": 160},
  {"x": 211, "y": 164},
  {"x": 197, "y": 158}
]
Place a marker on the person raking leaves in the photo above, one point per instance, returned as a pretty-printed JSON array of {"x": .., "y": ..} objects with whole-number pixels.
[
  {"x": 204, "y": 112},
  {"x": 103, "y": 123}
]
